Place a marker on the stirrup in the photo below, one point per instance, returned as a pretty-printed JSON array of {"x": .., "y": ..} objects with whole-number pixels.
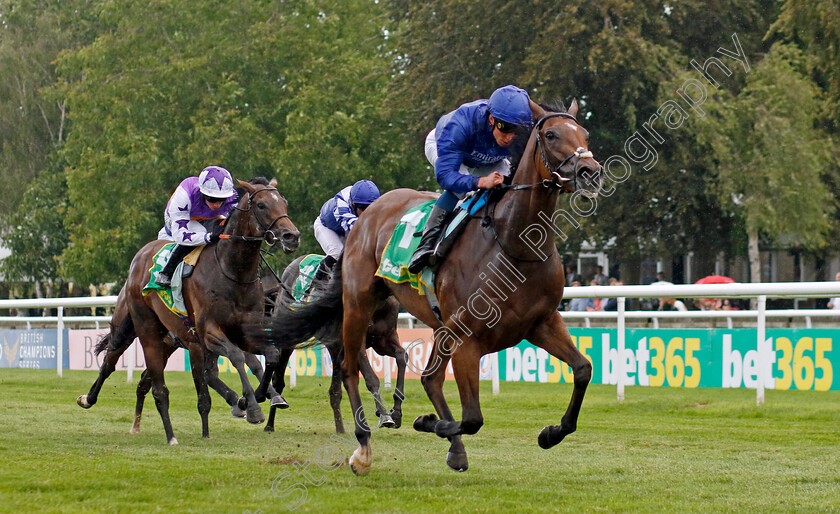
[
  {"x": 422, "y": 260},
  {"x": 163, "y": 280}
]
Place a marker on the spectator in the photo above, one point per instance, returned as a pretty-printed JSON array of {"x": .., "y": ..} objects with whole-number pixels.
[
  {"x": 594, "y": 304},
  {"x": 612, "y": 303},
  {"x": 577, "y": 304},
  {"x": 599, "y": 278},
  {"x": 571, "y": 275},
  {"x": 671, "y": 304}
]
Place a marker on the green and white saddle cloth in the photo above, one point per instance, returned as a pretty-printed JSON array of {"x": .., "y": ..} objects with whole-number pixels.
[
  {"x": 306, "y": 272},
  {"x": 400, "y": 248}
]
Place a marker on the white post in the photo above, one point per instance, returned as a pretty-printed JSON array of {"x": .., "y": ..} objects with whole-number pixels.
[
  {"x": 494, "y": 372},
  {"x": 129, "y": 361},
  {"x": 386, "y": 365},
  {"x": 59, "y": 361},
  {"x": 293, "y": 370},
  {"x": 619, "y": 365},
  {"x": 762, "y": 358}
]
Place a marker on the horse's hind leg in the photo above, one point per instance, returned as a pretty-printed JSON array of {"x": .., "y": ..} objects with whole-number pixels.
[
  {"x": 109, "y": 364},
  {"x": 446, "y": 426},
  {"x": 143, "y": 388},
  {"x": 399, "y": 394},
  {"x": 153, "y": 350},
  {"x": 553, "y": 336}
]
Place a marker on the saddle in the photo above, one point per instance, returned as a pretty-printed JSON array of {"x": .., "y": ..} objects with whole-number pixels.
[{"x": 171, "y": 295}]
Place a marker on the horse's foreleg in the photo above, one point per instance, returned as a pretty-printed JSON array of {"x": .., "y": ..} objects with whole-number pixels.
[
  {"x": 372, "y": 383},
  {"x": 553, "y": 336},
  {"x": 198, "y": 367},
  {"x": 211, "y": 376},
  {"x": 253, "y": 363},
  {"x": 354, "y": 330},
  {"x": 337, "y": 356},
  {"x": 253, "y": 412}
]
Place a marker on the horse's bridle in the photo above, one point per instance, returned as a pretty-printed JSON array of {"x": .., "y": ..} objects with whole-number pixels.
[
  {"x": 555, "y": 178},
  {"x": 268, "y": 236}
]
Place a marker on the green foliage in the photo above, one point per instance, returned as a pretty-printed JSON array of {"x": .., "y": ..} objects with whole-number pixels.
[
  {"x": 769, "y": 155},
  {"x": 35, "y": 232},
  {"x": 32, "y": 34},
  {"x": 290, "y": 90}
]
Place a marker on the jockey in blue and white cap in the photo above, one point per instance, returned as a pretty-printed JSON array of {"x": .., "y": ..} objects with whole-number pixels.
[
  {"x": 209, "y": 196},
  {"x": 337, "y": 217},
  {"x": 469, "y": 148}
]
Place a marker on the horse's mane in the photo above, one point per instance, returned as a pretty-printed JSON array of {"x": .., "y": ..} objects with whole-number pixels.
[{"x": 517, "y": 149}]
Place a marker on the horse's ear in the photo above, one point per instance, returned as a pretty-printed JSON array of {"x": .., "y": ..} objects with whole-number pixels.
[
  {"x": 573, "y": 109},
  {"x": 245, "y": 185},
  {"x": 273, "y": 182},
  {"x": 536, "y": 110}
]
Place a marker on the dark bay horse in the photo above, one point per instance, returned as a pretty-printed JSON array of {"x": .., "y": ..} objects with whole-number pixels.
[
  {"x": 500, "y": 284},
  {"x": 381, "y": 336},
  {"x": 223, "y": 292}
]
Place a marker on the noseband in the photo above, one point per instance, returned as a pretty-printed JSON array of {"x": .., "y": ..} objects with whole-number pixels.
[
  {"x": 267, "y": 234},
  {"x": 555, "y": 178}
]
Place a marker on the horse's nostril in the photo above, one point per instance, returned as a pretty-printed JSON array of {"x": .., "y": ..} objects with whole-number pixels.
[{"x": 289, "y": 236}]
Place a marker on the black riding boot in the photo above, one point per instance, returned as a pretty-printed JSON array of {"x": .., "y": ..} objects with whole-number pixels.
[
  {"x": 425, "y": 253},
  {"x": 164, "y": 277}
]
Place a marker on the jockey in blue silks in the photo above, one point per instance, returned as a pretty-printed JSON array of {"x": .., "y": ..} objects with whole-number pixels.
[
  {"x": 196, "y": 199},
  {"x": 337, "y": 217},
  {"x": 469, "y": 149}
]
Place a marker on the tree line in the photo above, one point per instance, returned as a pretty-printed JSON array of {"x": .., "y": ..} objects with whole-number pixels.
[{"x": 726, "y": 111}]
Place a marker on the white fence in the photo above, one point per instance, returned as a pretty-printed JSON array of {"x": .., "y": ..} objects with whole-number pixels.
[{"x": 758, "y": 291}]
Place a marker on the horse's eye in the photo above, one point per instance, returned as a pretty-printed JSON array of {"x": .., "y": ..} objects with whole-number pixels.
[
  {"x": 260, "y": 205},
  {"x": 550, "y": 136}
]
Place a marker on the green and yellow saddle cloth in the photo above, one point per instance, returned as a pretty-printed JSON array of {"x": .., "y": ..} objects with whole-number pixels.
[
  {"x": 406, "y": 239},
  {"x": 172, "y": 295}
]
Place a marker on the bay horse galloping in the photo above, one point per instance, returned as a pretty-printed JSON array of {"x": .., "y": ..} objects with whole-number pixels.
[
  {"x": 499, "y": 285},
  {"x": 223, "y": 292}
]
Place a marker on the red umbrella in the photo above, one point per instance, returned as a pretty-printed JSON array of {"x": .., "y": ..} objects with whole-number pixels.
[{"x": 715, "y": 279}]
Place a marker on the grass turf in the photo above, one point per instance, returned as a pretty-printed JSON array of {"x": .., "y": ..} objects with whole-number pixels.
[{"x": 661, "y": 449}]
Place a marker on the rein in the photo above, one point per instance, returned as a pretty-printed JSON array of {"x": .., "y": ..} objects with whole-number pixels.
[{"x": 267, "y": 236}]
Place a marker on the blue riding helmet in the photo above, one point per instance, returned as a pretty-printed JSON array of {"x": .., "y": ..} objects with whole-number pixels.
[
  {"x": 510, "y": 104},
  {"x": 363, "y": 192}
]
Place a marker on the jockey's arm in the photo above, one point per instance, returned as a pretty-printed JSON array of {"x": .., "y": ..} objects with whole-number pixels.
[
  {"x": 345, "y": 215},
  {"x": 185, "y": 231}
]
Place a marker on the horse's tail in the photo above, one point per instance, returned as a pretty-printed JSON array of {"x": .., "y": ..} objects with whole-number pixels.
[
  {"x": 293, "y": 326},
  {"x": 118, "y": 338}
]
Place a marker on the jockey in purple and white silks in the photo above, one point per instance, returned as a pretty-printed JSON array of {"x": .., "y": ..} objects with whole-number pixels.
[
  {"x": 469, "y": 148},
  {"x": 196, "y": 199},
  {"x": 337, "y": 217}
]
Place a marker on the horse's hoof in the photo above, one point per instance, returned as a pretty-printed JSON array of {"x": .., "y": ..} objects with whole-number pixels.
[
  {"x": 173, "y": 441},
  {"x": 236, "y": 412},
  {"x": 242, "y": 403},
  {"x": 135, "y": 429},
  {"x": 397, "y": 417},
  {"x": 457, "y": 461},
  {"x": 269, "y": 428},
  {"x": 279, "y": 402},
  {"x": 550, "y": 436},
  {"x": 426, "y": 423},
  {"x": 83, "y": 402},
  {"x": 386, "y": 421},
  {"x": 360, "y": 461},
  {"x": 255, "y": 416}
]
